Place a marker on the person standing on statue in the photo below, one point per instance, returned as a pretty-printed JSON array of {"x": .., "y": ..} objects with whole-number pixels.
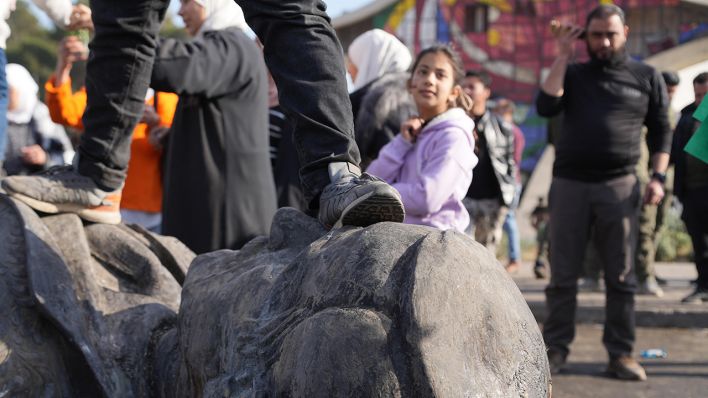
[
  {"x": 606, "y": 101},
  {"x": 305, "y": 58}
]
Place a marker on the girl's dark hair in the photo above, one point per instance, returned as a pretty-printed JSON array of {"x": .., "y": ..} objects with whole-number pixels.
[
  {"x": 455, "y": 60},
  {"x": 463, "y": 101}
]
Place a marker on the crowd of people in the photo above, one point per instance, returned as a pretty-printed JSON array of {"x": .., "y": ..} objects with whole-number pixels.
[{"x": 202, "y": 139}]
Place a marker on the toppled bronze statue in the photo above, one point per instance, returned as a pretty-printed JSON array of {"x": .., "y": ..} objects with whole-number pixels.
[{"x": 388, "y": 310}]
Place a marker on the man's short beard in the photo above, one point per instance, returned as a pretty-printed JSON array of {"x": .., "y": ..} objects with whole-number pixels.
[{"x": 616, "y": 56}]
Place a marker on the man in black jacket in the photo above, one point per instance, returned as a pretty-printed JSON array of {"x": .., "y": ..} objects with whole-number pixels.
[
  {"x": 691, "y": 188},
  {"x": 493, "y": 185},
  {"x": 605, "y": 102}
]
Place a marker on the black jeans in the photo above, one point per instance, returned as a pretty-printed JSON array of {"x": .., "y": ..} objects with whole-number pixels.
[
  {"x": 611, "y": 207},
  {"x": 301, "y": 51},
  {"x": 695, "y": 215}
]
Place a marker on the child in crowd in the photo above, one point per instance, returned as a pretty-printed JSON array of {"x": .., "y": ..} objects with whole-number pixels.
[{"x": 430, "y": 162}]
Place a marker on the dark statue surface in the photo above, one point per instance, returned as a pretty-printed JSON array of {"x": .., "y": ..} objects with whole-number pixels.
[{"x": 388, "y": 310}]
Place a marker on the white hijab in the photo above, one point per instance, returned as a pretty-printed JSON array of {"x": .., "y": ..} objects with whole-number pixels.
[
  {"x": 376, "y": 53},
  {"x": 22, "y": 82},
  {"x": 221, "y": 14}
]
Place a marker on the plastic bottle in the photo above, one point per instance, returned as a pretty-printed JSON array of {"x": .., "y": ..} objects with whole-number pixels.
[{"x": 654, "y": 353}]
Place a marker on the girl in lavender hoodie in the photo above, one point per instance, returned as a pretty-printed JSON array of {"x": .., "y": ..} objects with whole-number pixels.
[{"x": 430, "y": 162}]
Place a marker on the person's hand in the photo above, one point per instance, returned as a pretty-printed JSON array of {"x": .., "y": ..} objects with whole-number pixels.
[
  {"x": 71, "y": 49},
  {"x": 80, "y": 18},
  {"x": 566, "y": 36},
  {"x": 411, "y": 128},
  {"x": 156, "y": 137},
  {"x": 34, "y": 155},
  {"x": 150, "y": 116},
  {"x": 654, "y": 193}
]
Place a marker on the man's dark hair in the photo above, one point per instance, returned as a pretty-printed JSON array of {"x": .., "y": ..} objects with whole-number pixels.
[
  {"x": 603, "y": 12},
  {"x": 670, "y": 78},
  {"x": 481, "y": 75},
  {"x": 702, "y": 78}
]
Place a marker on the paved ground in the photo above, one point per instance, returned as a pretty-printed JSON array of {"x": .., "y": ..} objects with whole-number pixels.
[
  {"x": 667, "y": 311},
  {"x": 684, "y": 373}
]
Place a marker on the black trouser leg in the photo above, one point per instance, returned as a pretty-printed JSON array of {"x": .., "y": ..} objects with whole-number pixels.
[
  {"x": 117, "y": 78},
  {"x": 306, "y": 61}
]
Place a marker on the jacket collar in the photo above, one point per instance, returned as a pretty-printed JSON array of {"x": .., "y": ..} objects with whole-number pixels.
[{"x": 450, "y": 114}]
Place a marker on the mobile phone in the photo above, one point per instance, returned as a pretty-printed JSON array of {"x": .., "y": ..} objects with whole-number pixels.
[
  {"x": 83, "y": 35},
  {"x": 558, "y": 27}
]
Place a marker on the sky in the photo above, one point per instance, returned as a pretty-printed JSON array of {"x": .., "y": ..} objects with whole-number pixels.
[{"x": 335, "y": 8}]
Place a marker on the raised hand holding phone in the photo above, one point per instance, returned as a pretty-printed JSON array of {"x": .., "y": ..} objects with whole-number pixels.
[
  {"x": 566, "y": 35},
  {"x": 71, "y": 50}
]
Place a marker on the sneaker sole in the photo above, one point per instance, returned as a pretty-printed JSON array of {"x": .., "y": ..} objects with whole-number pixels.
[
  {"x": 371, "y": 209},
  {"x": 91, "y": 215}
]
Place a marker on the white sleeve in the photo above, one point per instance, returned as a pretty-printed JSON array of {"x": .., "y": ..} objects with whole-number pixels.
[
  {"x": 6, "y": 7},
  {"x": 58, "y": 10}
]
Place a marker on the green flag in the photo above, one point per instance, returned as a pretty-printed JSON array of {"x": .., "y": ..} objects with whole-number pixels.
[
  {"x": 702, "y": 112},
  {"x": 698, "y": 144}
]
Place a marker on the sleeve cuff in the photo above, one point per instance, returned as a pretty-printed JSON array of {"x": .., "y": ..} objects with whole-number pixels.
[
  {"x": 51, "y": 87},
  {"x": 400, "y": 144}
]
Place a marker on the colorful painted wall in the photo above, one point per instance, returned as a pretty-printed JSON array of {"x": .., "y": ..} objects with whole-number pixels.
[{"x": 511, "y": 40}]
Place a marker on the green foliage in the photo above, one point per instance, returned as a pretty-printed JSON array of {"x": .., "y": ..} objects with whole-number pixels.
[
  {"x": 169, "y": 29},
  {"x": 674, "y": 241},
  {"x": 35, "y": 47},
  {"x": 31, "y": 45}
]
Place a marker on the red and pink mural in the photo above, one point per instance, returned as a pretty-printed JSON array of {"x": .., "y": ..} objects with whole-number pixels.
[{"x": 511, "y": 40}]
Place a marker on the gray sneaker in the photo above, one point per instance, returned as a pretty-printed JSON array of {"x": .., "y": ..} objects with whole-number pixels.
[
  {"x": 61, "y": 189},
  {"x": 697, "y": 297},
  {"x": 357, "y": 199},
  {"x": 650, "y": 288},
  {"x": 590, "y": 285}
]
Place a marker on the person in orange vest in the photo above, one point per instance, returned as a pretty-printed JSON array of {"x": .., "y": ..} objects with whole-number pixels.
[{"x": 142, "y": 195}]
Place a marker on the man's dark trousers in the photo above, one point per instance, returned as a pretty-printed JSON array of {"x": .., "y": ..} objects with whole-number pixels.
[
  {"x": 611, "y": 208},
  {"x": 695, "y": 215},
  {"x": 301, "y": 50}
]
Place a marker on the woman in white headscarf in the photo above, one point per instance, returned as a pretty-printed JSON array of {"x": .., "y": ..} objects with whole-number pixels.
[
  {"x": 377, "y": 62},
  {"x": 221, "y": 14},
  {"x": 34, "y": 142},
  {"x": 375, "y": 53},
  {"x": 218, "y": 187},
  {"x": 64, "y": 14}
]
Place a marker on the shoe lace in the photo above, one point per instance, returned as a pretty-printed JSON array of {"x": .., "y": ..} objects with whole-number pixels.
[{"x": 55, "y": 170}]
